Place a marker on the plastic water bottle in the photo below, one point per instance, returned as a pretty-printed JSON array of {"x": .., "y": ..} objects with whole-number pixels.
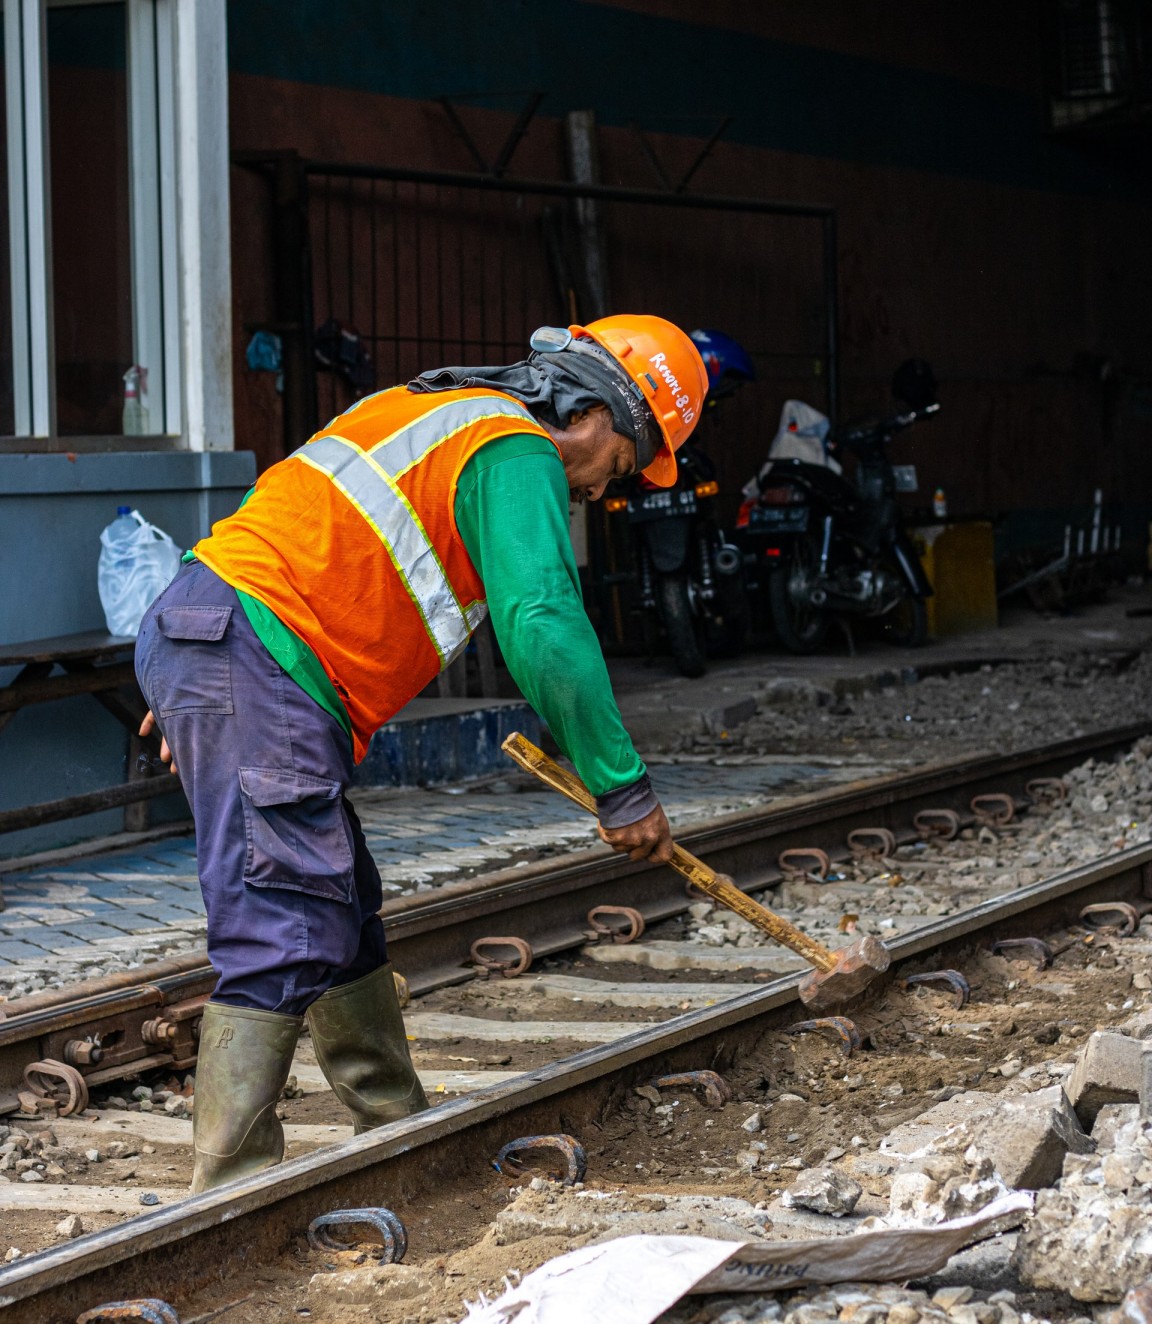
[
  {"x": 121, "y": 529},
  {"x": 116, "y": 569},
  {"x": 137, "y": 562}
]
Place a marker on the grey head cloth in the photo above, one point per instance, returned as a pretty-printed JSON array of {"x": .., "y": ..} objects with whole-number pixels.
[{"x": 554, "y": 384}]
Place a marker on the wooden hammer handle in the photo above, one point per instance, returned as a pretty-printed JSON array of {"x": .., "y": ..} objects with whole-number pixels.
[{"x": 522, "y": 751}]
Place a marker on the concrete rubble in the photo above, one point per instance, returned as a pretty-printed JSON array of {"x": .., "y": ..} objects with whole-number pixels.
[
  {"x": 824, "y": 1191},
  {"x": 374, "y": 1285},
  {"x": 1106, "y": 1071},
  {"x": 1092, "y": 1235},
  {"x": 859, "y": 1303},
  {"x": 1023, "y": 1136},
  {"x": 1136, "y": 1308}
]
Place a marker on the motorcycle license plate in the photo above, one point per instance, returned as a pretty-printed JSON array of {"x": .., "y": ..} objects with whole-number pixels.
[
  {"x": 659, "y": 505},
  {"x": 905, "y": 478},
  {"x": 779, "y": 519}
]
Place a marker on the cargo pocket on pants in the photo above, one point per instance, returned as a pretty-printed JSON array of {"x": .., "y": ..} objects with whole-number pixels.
[
  {"x": 196, "y": 675},
  {"x": 297, "y": 834}
]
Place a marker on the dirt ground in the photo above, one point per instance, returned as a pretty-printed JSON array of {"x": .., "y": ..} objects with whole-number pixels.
[
  {"x": 1022, "y": 1026},
  {"x": 815, "y": 1107}
]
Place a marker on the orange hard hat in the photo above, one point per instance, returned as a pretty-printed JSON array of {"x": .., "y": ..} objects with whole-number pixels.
[{"x": 667, "y": 369}]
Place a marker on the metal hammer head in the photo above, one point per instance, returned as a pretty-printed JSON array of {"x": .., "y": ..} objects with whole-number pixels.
[{"x": 857, "y": 965}]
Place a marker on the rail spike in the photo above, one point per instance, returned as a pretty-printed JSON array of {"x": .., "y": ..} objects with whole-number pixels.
[
  {"x": 40, "y": 1078},
  {"x": 871, "y": 842},
  {"x": 804, "y": 862},
  {"x": 147, "y": 1310},
  {"x": 633, "y": 923},
  {"x": 953, "y": 978},
  {"x": 994, "y": 808},
  {"x": 386, "y": 1225},
  {"x": 715, "y": 1089},
  {"x": 492, "y": 965},
  {"x": 844, "y": 1030},
  {"x": 942, "y": 823},
  {"x": 575, "y": 1156}
]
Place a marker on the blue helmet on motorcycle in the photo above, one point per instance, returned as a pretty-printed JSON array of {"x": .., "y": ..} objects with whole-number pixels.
[{"x": 728, "y": 362}]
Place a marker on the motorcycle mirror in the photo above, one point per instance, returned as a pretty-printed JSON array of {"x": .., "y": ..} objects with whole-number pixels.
[{"x": 915, "y": 383}]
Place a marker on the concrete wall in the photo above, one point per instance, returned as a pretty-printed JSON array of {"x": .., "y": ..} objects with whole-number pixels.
[
  {"x": 1016, "y": 263},
  {"x": 52, "y": 509}
]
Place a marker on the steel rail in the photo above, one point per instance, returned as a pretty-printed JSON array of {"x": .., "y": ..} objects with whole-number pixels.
[
  {"x": 545, "y": 903},
  {"x": 261, "y": 1216}
]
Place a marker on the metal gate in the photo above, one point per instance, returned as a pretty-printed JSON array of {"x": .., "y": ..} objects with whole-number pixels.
[{"x": 382, "y": 272}]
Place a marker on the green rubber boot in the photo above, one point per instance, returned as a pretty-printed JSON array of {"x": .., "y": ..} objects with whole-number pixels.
[
  {"x": 241, "y": 1067},
  {"x": 358, "y": 1035}
]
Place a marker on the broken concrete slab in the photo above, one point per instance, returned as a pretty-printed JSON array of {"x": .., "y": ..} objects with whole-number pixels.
[
  {"x": 1026, "y": 1136},
  {"x": 1110, "y": 1119},
  {"x": 1106, "y": 1071},
  {"x": 824, "y": 1191},
  {"x": 954, "y": 1187},
  {"x": 734, "y": 712},
  {"x": 1090, "y": 1236}
]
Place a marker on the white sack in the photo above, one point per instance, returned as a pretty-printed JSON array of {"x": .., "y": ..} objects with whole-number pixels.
[{"x": 632, "y": 1280}]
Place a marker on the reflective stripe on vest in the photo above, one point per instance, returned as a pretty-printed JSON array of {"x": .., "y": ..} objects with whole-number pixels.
[{"x": 367, "y": 478}]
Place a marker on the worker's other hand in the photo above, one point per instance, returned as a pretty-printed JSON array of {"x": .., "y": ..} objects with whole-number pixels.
[
  {"x": 147, "y": 726},
  {"x": 649, "y": 838}
]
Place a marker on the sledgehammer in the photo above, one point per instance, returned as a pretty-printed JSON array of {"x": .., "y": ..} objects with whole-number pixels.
[{"x": 836, "y": 977}]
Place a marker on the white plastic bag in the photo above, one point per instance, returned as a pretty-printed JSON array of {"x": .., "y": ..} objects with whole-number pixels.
[
  {"x": 135, "y": 566},
  {"x": 802, "y": 435}
]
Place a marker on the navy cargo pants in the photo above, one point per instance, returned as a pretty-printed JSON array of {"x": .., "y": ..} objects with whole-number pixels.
[{"x": 290, "y": 888}]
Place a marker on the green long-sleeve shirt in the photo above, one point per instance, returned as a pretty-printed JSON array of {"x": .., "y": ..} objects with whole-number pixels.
[{"x": 512, "y": 513}]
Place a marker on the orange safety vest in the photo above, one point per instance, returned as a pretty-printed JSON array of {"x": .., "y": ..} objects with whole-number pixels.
[{"x": 352, "y": 542}]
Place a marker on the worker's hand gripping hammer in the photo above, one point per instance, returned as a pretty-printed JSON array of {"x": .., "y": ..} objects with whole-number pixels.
[{"x": 836, "y": 976}]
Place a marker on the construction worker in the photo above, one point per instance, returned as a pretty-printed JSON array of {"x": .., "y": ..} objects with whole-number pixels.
[{"x": 353, "y": 573}]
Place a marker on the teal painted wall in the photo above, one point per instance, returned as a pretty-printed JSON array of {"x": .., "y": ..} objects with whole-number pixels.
[
  {"x": 52, "y": 509},
  {"x": 630, "y": 66}
]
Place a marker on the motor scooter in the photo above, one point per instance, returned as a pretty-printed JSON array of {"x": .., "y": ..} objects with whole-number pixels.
[
  {"x": 688, "y": 574},
  {"x": 822, "y": 546}
]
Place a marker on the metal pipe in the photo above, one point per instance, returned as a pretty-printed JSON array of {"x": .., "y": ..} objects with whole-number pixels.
[
  {"x": 560, "y": 188},
  {"x": 827, "y": 545},
  {"x": 831, "y": 314}
]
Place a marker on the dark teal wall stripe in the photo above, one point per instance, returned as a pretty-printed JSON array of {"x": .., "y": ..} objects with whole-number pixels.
[{"x": 669, "y": 75}]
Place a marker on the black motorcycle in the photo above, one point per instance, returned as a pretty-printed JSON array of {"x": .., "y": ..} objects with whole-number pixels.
[
  {"x": 688, "y": 575},
  {"x": 824, "y": 546}
]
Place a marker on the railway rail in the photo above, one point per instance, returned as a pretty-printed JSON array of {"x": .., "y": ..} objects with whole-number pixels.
[
  {"x": 432, "y": 938},
  {"x": 131, "y": 1022},
  {"x": 203, "y": 1239}
]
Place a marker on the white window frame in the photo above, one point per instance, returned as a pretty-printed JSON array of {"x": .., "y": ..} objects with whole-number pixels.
[{"x": 180, "y": 243}]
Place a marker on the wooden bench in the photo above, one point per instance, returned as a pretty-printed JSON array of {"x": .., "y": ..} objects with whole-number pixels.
[{"x": 101, "y": 665}]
